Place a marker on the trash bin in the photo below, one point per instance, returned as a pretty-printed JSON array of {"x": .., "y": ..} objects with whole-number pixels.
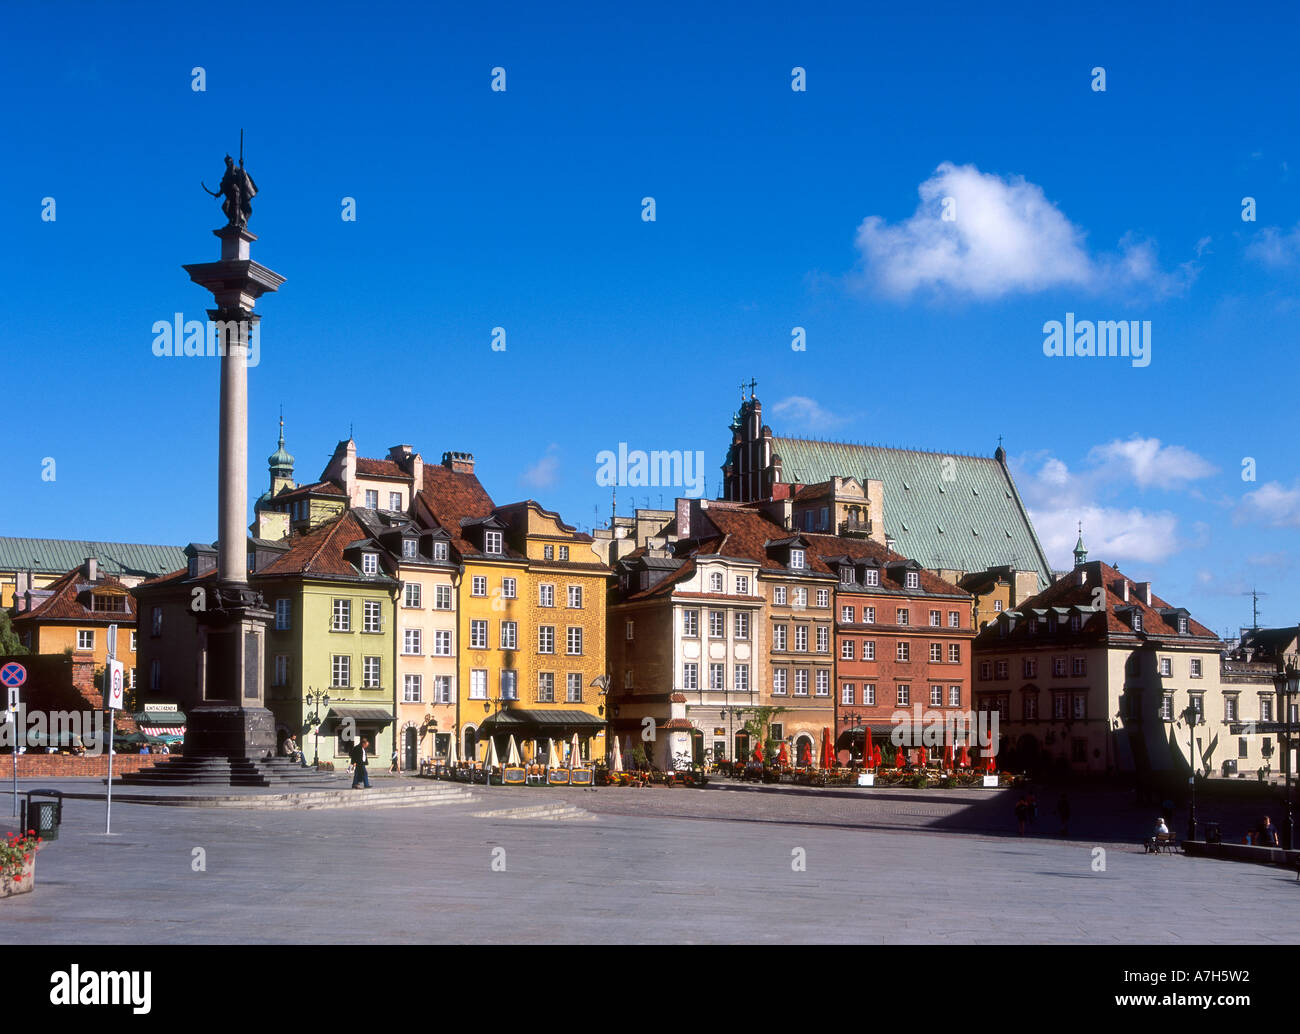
[{"x": 44, "y": 817}]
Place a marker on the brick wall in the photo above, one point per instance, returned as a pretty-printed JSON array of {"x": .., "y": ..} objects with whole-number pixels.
[{"x": 58, "y": 766}]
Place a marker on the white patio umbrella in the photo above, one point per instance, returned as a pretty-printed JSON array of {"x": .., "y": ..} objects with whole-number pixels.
[
  {"x": 512, "y": 755},
  {"x": 616, "y": 759},
  {"x": 575, "y": 754},
  {"x": 451, "y": 751},
  {"x": 490, "y": 755}
]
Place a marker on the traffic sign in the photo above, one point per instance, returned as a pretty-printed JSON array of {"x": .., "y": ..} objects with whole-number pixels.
[
  {"x": 113, "y": 677},
  {"x": 13, "y": 700},
  {"x": 13, "y": 674}
]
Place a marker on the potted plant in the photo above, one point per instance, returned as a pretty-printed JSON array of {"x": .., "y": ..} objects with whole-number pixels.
[{"x": 18, "y": 863}]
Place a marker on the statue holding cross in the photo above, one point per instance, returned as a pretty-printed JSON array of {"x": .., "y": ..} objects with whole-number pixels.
[{"x": 238, "y": 188}]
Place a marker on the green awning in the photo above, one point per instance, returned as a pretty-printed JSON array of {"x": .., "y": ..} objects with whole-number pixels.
[{"x": 547, "y": 721}]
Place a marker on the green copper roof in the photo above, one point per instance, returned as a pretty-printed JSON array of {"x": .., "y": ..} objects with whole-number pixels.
[
  {"x": 60, "y": 555},
  {"x": 970, "y": 523}
]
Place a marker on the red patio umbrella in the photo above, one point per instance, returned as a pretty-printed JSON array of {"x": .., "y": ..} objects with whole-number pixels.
[
  {"x": 965, "y": 756},
  {"x": 805, "y": 753},
  {"x": 876, "y": 757},
  {"x": 947, "y": 755},
  {"x": 868, "y": 751},
  {"x": 781, "y": 756},
  {"x": 828, "y": 752},
  {"x": 900, "y": 757},
  {"x": 990, "y": 764},
  {"x": 924, "y": 757},
  {"x": 758, "y": 752}
]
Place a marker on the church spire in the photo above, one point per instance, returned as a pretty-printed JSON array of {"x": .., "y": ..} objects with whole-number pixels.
[{"x": 1080, "y": 550}]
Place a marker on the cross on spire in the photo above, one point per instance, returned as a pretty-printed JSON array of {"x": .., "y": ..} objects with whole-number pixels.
[{"x": 752, "y": 385}]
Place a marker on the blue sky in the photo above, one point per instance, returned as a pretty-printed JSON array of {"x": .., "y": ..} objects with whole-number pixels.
[{"x": 774, "y": 209}]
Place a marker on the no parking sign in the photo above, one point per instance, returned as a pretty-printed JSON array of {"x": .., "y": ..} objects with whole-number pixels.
[{"x": 113, "y": 689}]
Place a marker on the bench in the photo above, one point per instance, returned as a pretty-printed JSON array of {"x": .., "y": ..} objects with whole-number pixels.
[{"x": 1161, "y": 842}]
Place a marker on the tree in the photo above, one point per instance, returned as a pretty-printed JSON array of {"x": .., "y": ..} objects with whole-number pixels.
[
  {"x": 759, "y": 727},
  {"x": 9, "y": 642}
]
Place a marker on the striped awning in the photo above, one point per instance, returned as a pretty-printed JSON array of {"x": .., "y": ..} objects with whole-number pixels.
[{"x": 162, "y": 730}]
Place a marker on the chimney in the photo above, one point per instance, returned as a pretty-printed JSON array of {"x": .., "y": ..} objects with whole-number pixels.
[
  {"x": 459, "y": 462},
  {"x": 683, "y": 518},
  {"x": 1144, "y": 590},
  {"x": 1124, "y": 589},
  {"x": 92, "y": 569}
]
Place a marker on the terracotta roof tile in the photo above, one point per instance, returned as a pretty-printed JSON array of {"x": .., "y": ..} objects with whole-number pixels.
[{"x": 69, "y": 601}]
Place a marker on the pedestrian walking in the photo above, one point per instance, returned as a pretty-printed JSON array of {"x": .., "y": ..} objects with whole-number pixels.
[
  {"x": 393, "y": 766},
  {"x": 1063, "y": 813},
  {"x": 1267, "y": 833},
  {"x": 1022, "y": 813},
  {"x": 360, "y": 759}
]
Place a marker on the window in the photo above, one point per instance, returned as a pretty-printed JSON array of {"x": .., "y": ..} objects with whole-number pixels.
[
  {"x": 1001, "y": 669},
  {"x": 1166, "y": 666},
  {"x": 913, "y": 580},
  {"x": 342, "y": 616},
  {"x": 986, "y": 669},
  {"x": 868, "y": 615},
  {"x": 1195, "y": 667},
  {"x": 281, "y": 670},
  {"x": 1076, "y": 622},
  {"x": 1029, "y": 708},
  {"x": 954, "y": 696},
  {"x": 799, "y": 598},
  {"x": 1033, "y": 625},
  {"x": 509, "y": 684},
  {"x": 1182, "y": 626},
  {"x": 546, "y": 687},
  {"x": 1198, "y": 702},
  {"x": 691, "y": 623},
  {"x": 575, "y": 596},
  {"x": 742, "y": 585},
  {"x": 717, "y": 624},
  {"x": 442, "y": 643},
  {"x": 478, "y": 585},
  {"x": 478, "y": 684},
  {"x": 370, "y": 616},
  {"x": 954, "y": 619},
  {"x": 1078, "y": 750},
  {"x": 801, "y": 682},
  {"x": 778, "y": 596},
  {"x": 410, "y": 548},
  {"x": 823, "y": 639},
  {"x": 1058, "y": 705},
  {"x": 574, "y": 641},
  {"x": 868, "y": 649},
  {"x": 1078, "y": 666},
  {"x": 548, "y": 552},
  {"x": 904, "y": 694},
  {"x": 133, "y": 640},
  {"x": 1265, "y": 709},
  {"x": 823, "y": 597},
  {"x": 478, "y": 635},
  {"x": 411, "y": 641},
  {"x": 936, "y": 696},
  {"x": 847, "y": 693},
  {"x": 936, "y": 618},
  {"x": 742, "y": 625},
  {"x": 412, "y": 689},
  {"x": 690, "y": 675},
  {"x": 717, "y": 672},
  {"x": 440, "y": 551},
  {"x": 631, "y": 627},
  {"x": 85, "y": 639},
  {"x": 410, "y": 594},
  {"x": 341, "y": 670},
  {"x": 372, "y": 499},
  {"x": 954, "y": 653},
  {"x": 546, "y": 595},
  {"x": 869, "y": 694},
  {"x": 1229, "y": 708},
  {"x": 155, "y": 674},
  {"x": 872, "y": 577},
  {"x": 1058, "y": 667},
  {"x": 1243, "y": 747},
  {"x": 508, "y": 586},
  {"x": 492, "y": 542},
  {"x": 546, "y": 639},
  {"x": 627, "y": 678},
  {"x": 1137, "y": 621},
  {"x": 846, "y": 649},
  {"x": 715, "y": 582},
  {"x": 510, "y": 635},
  {"x": 903, "y": 650},
  {"x": 442, "y": 597},
  {"x": 822, "y": 682},
  {"x": 1080, "y": 706},
  {"x": 936, "y": 652},
  {"x": 369, "y": 563},
  {"x": 573, "y": 692},
  {"x": 564, "y": 552},
  {"x": 846, "y": 615},
  {"x": 801, "y": 638},
  {"x": 997, "y": 606},
  {"x": 283, "y": 615},
  {"x": 740, "y": 679},
  {"x": 395, "y": 502},
  {"x": 904, "y": 616},
  {"x": 778, "y": 682},
  {"x": 1030, "y": 668},
  {"x": 1167, "y": 707},
  {"x": 796, "y": 559},
  {"x": 369, "y": 672},
  {"x": 846, "y": 576},
  {"x": 778, "y": 637}
]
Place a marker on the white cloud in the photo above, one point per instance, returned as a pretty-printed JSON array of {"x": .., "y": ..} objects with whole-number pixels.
[
  {"x": 1148, "y": 463},
  {"x": 807, "y": 413},
  {"x": 546, "y": 471},
  {"x": 1273, "y": 247},
  {"x": 1272, "y": 503},
  {"x": 1110, "y": 534},
  {"x": 1005, "y": 237}
]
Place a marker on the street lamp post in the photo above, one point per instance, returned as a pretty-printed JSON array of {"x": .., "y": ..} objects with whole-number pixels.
[
  {"x": 318, "y": 701},
  {"x": 492, "y": 705},
  {"x": 1288, "y": 684},
  {"x": 850, "y": 719},
  {"x": 1191, "y": 715}
]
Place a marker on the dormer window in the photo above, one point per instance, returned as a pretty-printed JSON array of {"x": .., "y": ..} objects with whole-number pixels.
[
  {"x": 873, "y": 577},
  {"x": 372, "y": 499},
  {"x": 492, "y": 542},
  {"x": 369, "y": 563},
  {"x": 440, "y": 551},
  {"x": 913, "y": 580},
  {"x": 796, "y": 559},
  {"x": 846, "y": 576},
  {"x": 1137, "y": 621},
  {"x": 715, "y": 582},
  {"x": 1076, "y": 622},
  {"x": 409, "y": 548},
  {"x": 1182, "y": 626}
]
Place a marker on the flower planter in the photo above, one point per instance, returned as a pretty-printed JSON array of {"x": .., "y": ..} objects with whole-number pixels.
[{"x": 21, "y": 883}]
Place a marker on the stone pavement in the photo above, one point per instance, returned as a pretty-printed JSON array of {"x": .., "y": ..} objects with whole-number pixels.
[{"x": 897, "y": 870}]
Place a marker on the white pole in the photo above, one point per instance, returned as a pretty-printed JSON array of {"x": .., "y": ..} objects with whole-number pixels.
[
  {"x": 108, "y": 813},
  {"x": 13, "y": 717}
]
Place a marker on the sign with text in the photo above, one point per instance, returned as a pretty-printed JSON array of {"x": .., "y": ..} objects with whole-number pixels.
[{"x": 114, "y": 672}]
